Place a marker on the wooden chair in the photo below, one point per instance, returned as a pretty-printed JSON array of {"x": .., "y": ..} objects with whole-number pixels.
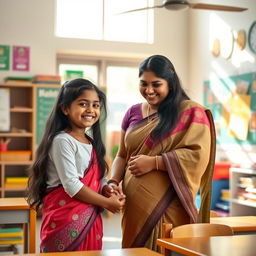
[
  {"x": 167, "y": 227},
  {"x": 194, "y": 230}
]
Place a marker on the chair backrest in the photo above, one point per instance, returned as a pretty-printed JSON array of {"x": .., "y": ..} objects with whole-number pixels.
[{"x": 201, "y": 229}]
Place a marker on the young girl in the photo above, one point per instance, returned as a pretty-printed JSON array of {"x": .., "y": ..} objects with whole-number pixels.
[{"x": 67, "y": 172}]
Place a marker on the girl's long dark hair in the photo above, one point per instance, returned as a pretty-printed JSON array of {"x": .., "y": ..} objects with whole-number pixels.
[
  {"x": 56, "y": 123},
  {"x": 168, "y": 109}
]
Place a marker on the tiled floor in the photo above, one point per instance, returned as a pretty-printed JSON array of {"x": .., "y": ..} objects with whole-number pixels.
[{"x": 111, "y": 231}]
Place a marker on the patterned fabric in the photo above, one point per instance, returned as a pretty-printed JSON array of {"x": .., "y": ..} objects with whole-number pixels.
[
  {"x": 156, "y": 197},
  {"x": 69, "y": 224}
]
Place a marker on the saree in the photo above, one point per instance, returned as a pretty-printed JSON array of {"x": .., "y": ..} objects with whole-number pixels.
[
  {"x": 69, "y": 224},
  {"x": 168, "y": 196}
]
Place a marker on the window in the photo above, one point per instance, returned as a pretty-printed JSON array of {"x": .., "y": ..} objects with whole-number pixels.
[
  {"x": 118, "y": 78},
  {"x": 98, "y": 20}
]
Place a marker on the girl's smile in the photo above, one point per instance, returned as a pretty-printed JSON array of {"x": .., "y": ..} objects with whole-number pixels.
[{"x": 83, "y": 111}]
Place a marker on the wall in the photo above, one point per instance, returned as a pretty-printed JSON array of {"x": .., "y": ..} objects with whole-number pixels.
[
  {"x": 183, "y": 36},
  {"x": 31, "y": 23},
  {"x": 202, "y": 64}
]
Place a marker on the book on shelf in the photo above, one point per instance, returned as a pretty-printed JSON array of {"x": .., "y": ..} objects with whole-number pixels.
[
  {"x": 47, "y": 82},
  {"x": 225, "y": 194},
  {"x": 19, "y": 180},
  {"x": 11, "y": 236},
  {"x": 247, "y": 181},
  {"x": 11, "y": 232},
  {"x": 12, "y": 241},
  {"x": 18, "y": 79},
  {"x": 223, "y": 205},
  {"x": 47, "y": 79}
]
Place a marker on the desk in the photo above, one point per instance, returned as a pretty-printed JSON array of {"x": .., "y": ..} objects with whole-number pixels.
[
  {"x": 239, "y": 224},
  {"x": 17, "y": 211},
  {"x": 240, "y": 245},
  {"x": 112, "y": 252}
]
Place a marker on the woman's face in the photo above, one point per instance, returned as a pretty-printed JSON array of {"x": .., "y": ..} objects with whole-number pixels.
[{"x": 154, "y": 89}]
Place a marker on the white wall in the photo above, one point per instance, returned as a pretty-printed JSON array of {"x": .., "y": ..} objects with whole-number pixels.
[
  {"x": 200, "y": 58},
  {"x": 31, "y": 23}
]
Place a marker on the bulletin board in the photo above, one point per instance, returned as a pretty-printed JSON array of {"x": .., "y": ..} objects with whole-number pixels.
[
  {"x": 232, "y": 101},
  {"x": 45, "y": 99}
]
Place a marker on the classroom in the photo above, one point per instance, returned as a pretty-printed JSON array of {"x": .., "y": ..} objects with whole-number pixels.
[{"x": 43, "y": 44}]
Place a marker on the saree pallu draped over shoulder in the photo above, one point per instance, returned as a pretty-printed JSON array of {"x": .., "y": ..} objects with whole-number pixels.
[
  {"x": 69, "y": 224},
  {"x": 158, "y": 196}
]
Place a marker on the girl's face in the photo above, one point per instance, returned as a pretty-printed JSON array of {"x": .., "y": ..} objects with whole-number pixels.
[
  {"x": 83, "y": 111},
  {"x": 154, "y": 89}
]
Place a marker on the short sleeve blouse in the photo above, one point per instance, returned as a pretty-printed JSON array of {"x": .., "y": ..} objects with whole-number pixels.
[{"x": 132, "y": 116}]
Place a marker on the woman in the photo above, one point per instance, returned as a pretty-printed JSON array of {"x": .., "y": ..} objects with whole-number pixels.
[{"x": 166, "y": 154}]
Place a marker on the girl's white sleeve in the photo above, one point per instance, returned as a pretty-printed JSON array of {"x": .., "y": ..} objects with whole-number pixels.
[{"x": 63, "y": 157}]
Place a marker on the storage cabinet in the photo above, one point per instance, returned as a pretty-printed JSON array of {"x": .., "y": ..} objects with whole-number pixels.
[
  {"x": 243, "y": 191},
  {"x": 30, "y": 105},
  {"x": 15, "y": 161}
]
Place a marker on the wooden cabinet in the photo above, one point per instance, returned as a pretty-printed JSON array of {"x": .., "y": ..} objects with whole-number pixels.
[
  {"x": 30, "y": 105},
  {"x": 243, "y": 191},
  {"x": 21, "y": 148}
]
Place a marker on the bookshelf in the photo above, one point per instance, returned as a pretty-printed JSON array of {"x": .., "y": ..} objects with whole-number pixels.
[
  {"x": 15, "y": 161},
  {"x": 242, "y": 187},
  {"x": 23, "y": 137}
]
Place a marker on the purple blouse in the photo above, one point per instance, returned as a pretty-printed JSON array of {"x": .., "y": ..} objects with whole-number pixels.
[{"x": 132, "y": 116}]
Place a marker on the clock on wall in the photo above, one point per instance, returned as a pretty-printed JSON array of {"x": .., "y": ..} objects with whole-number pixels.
[{"x": 252, "y": 37}]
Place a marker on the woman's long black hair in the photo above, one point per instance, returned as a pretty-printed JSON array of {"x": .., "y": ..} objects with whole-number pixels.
[
  {"x": 56, "y": 123},
  {"x": 169, "y": 108}
]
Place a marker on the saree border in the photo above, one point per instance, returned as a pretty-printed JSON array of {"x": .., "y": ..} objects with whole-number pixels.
[
  {"x": 153, "y": 218},
  {"x": 179, "y": 183}
]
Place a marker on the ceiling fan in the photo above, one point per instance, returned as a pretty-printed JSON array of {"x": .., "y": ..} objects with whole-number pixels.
[{"x": 183, "y": 4}]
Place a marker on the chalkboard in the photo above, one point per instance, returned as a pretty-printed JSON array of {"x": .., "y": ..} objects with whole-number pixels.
[
  {"x": 45, "y": 99},
  {"x": 217, "y": 95}
]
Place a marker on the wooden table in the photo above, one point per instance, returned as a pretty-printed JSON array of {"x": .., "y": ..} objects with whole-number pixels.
[
  {"x": 240, "y": 245},
  {"x": 112, "y": 252},
  {"x": 16, "y": 211},
  {"x": 239, "y": 224}
]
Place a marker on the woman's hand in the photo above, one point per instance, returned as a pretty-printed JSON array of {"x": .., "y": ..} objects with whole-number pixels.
[
  {"x": 107, "y": 190},
  {"x": 141, "y": 164},
  {"x": 112, "y": 189}
]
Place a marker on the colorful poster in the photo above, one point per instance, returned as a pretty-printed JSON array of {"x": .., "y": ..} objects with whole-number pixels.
[
  {"x": 234, "y": 114},
  {"x": 20, "y": 60},
  {"x": 240, "y": 116},
  {"x": 4, "y": 57}
]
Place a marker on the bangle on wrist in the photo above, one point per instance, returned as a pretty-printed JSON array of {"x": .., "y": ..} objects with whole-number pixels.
[
  {"x": 113, "y": 181},
  {"x": 156, "y": 163}
]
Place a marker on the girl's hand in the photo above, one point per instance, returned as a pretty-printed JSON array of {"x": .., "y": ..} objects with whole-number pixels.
[
  {"x": 116, "y": 203},
  {"x": 141, "y": 164}
]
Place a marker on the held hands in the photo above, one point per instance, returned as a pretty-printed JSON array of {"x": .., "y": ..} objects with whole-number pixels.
[
  {"x": 112, "y": 188},
  {"x": 115, "y": 195},
  {"x": 115, "y": 203},
  {"x": 141, "y": 164}
]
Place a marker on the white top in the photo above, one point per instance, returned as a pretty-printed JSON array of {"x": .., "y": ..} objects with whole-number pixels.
[{"x": 68, "y": 160}]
